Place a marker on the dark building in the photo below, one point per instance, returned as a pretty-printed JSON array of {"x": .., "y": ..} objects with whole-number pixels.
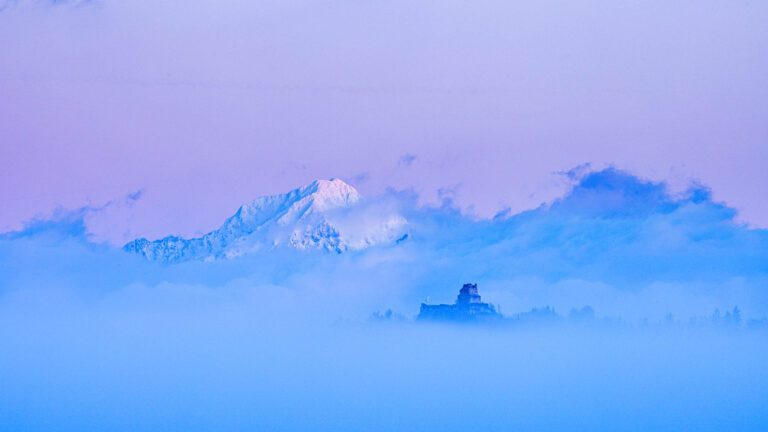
[{"x": 468, "y": 307}]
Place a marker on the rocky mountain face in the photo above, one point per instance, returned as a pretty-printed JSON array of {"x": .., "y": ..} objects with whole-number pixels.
[{"x": 325, "y": 215}]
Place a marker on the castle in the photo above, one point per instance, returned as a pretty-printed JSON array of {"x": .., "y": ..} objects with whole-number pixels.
[{"x": 468, "y": 307}]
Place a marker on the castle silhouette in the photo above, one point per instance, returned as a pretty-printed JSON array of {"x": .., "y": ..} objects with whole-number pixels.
[{"x": 468, "y": 307}]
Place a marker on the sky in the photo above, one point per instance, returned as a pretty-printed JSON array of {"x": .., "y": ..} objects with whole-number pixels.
[{"x": 199, "y": 108}]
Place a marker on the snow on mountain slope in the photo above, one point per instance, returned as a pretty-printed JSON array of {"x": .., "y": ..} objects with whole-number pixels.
[{"x": 325, "y": 215}]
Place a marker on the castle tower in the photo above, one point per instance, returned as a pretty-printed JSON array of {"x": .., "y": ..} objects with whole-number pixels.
[{"x": 468, "y": 294}]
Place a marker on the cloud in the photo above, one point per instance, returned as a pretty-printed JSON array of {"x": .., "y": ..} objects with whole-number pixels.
[
  {"x": 94, "y": 223},
  {"x": 606, "y": 243},
  {"x": 61, "y": 222},
  {"x": 281, "y": 340},
  {"x": 407, "y": 160},
  {"x": 611, "y": 192},
  {"x": 360, "y": 178},
  {"x": 135, "y": 196},
  {"x": 448, "y": 195},
  {"x": 577, "y": 172}
]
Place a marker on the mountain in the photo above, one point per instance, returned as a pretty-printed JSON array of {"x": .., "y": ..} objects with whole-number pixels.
[{"x": 325, "y": 215}]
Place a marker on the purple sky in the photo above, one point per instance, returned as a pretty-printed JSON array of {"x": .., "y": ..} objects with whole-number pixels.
[{"x": 206, "y": 105}]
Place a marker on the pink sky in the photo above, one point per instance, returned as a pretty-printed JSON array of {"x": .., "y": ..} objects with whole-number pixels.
[{"x": 210, "y": 105}]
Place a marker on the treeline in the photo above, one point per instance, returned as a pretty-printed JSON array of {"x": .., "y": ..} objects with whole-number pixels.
[{"x": 731, "y": 319}]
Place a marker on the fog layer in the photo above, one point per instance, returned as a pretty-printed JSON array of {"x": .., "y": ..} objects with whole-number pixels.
[{"x": 93, "y": 338}]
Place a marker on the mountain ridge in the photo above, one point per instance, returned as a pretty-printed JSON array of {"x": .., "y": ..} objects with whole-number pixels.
[{"x": 304, "y": 218}]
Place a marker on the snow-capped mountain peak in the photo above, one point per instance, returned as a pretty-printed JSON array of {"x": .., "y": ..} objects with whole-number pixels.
[
  {"x": 322, "y": 215},
  {"x": 320, "y": 196}
]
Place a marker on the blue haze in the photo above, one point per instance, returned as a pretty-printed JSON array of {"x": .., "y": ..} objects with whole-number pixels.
[{"x": 92, "y": 338}]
